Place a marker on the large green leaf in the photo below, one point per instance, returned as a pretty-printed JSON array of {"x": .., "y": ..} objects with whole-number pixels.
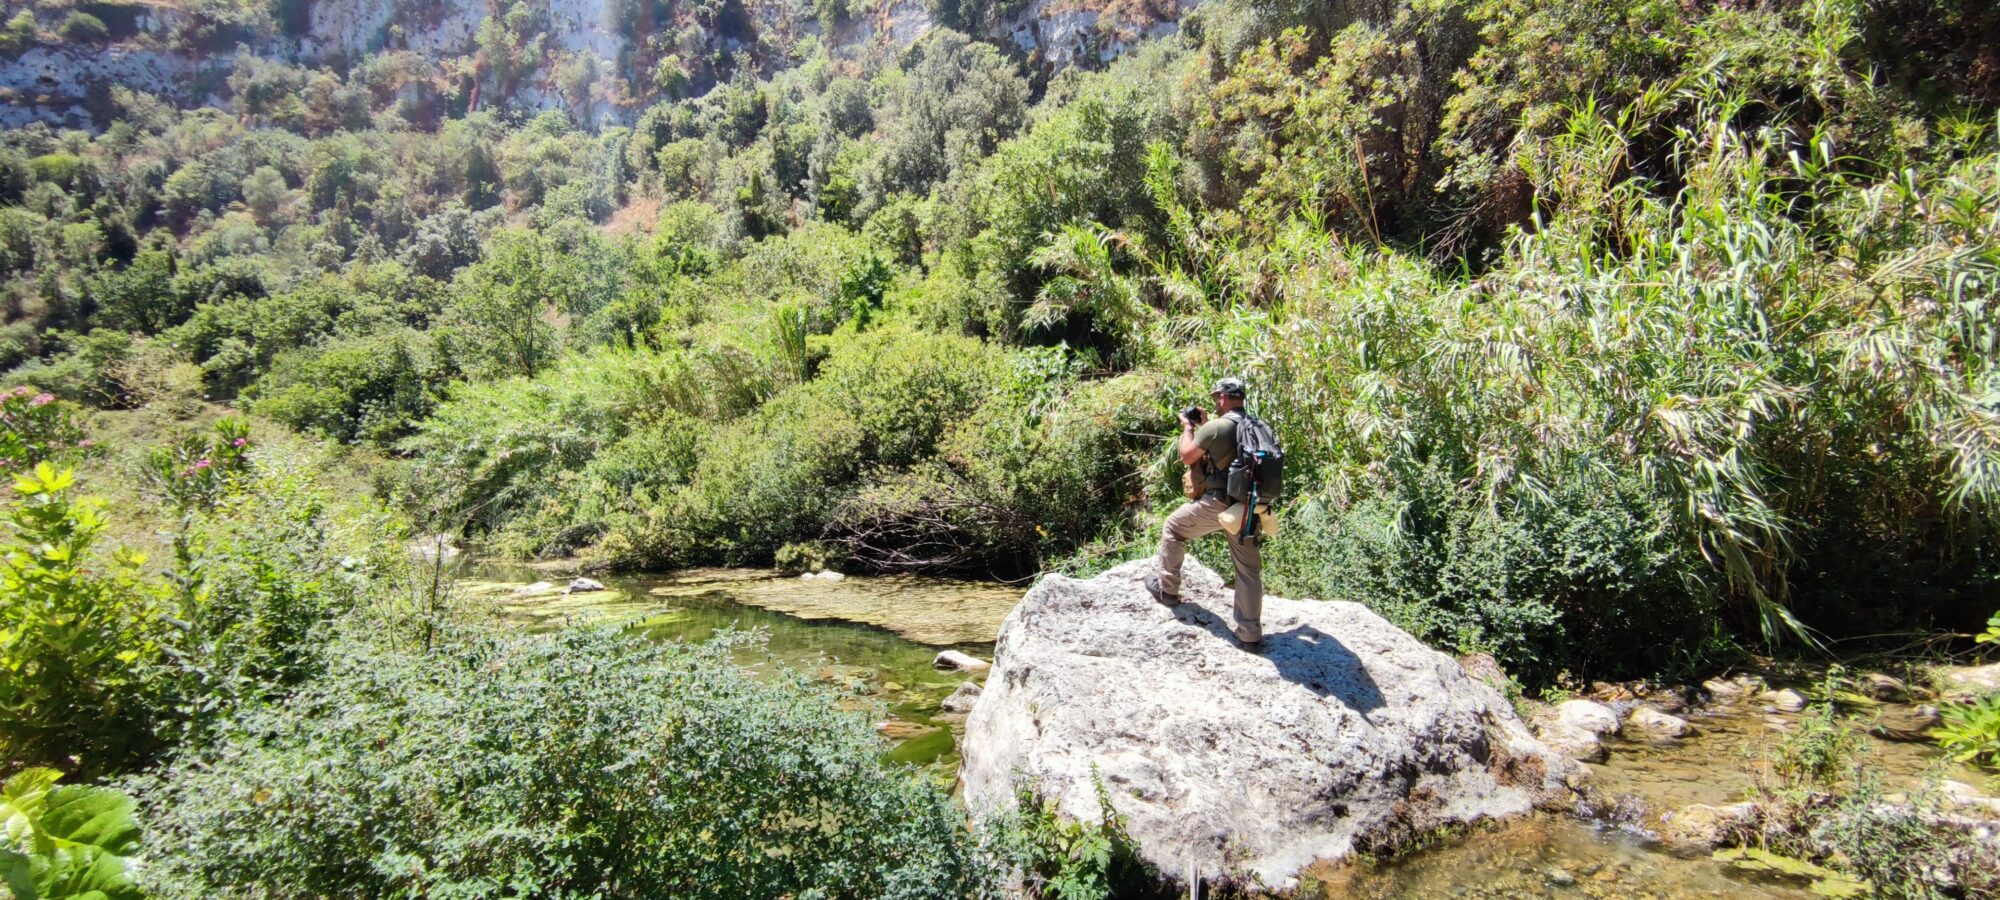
[
  {"x": 17, "y": 871},
  {"x": 65, "y": 842},
  {"x": 22, "y": 801},
  {"x": 91, "y": 817}
]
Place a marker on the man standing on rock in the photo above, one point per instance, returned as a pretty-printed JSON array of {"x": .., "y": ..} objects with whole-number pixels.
[{"x": 1209, "y": 448}]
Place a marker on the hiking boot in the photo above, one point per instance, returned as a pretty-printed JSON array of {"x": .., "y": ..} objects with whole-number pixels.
[
  {"x": 1256, "y": 646},
  {"x": 1160, "y": 596}
]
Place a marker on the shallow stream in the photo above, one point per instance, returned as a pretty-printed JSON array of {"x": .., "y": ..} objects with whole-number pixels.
[{"x": 875, "y": 639}]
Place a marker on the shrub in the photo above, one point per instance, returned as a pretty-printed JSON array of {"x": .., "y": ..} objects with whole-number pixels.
[
  {"x": 83, "y": 27},
  {"x": 493, "y": 449},
  {"x": 370, "y": 388},
  {"x": 197, "y": 471},
  {"x": 75, "y": 636},
  {"x": 576, "y": 764},
  {"x": 64, "y": 841},
  {"x": 1586, "y": 577},
  {"x": 21, "y": 32},
  {"x": 882, "y": 402},
  {"x": 264, "y": 564},
  {"x": 37, "y": 427},
  {"x": 1971, "y": 731},
  {"x": 1059, "y": 858},
  {"x": 1828, "y": 807}
]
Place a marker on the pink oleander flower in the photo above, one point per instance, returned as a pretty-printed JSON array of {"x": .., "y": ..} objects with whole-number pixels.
[
  {"x": 86, "y": 443},
  {"x": 42, "y": 400},
  {"x": 201, "y": 465},
  {"x": 240, "y": 442}
]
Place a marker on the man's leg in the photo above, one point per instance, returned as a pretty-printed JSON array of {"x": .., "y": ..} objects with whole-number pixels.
[
  {"x": 1248, "y": 560},
  {"x": 1194, "y": 519}
]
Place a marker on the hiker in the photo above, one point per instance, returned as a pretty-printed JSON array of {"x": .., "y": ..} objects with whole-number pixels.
[{"x": 1208, "y": 449}]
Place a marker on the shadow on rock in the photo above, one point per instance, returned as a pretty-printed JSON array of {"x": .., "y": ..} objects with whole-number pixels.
[{"x": 1306, "y": 656}]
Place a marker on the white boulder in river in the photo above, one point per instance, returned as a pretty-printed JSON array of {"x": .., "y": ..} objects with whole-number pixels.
[{"x": 1345, "y": 733}]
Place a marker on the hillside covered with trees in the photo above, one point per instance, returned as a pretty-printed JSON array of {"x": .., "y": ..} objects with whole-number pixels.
[{"x": 1608, "y": 338}]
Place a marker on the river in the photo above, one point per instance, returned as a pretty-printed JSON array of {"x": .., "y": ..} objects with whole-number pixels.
[{"x": 874, "y": 639}]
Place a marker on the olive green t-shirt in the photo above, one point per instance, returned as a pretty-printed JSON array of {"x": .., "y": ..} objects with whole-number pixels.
[{"x": 1217, "y": 440}]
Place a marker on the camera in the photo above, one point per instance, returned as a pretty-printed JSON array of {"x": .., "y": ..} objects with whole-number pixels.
[{"x": 1194, "y": 414}]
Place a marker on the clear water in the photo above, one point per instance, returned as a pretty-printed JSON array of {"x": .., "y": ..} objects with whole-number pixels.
[
  {"x": 881, "y": 671},
  {"x": 827, "y": 634}
]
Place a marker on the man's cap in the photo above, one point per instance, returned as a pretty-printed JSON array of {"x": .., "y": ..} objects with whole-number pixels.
[{"x": 1231, "y": 387}]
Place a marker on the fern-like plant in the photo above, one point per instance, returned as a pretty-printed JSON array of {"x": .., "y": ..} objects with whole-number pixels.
[
  {"x": 1971, "y": 731},
  {"x": 65, "y": 841}
]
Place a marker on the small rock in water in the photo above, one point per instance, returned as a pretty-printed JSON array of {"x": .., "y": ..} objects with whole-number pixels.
[
  {"x": 1905, "y": 723},
  {"x": 436, "y": 546},
  {"x": 1588, "y": 715},
  {"x": 1965, "y": 796},
  {"x": 891, "y": 687},
  {"x": 1967, "y": 682},
  {"x": 963, "y": 699},
  {"x": 539, "y": 587},
  {"x": 1611, "y": 693},
  {"x": 952, "y": 659},
  {"x": 1575, "y": 743},
  {"x": 1786, "y": 700},
  {"x": 1884, "y": 687},
  {"x": 584, "y": 586},
  {"x": 1658, "y": 724},
  {"x": 1559, "y": 876},
  {"x": 903, "y": 731},
  {"x": 828, "y": 575},
  {"x": 1721, "y": 689},
  {"x": 1704, "y": 827}
]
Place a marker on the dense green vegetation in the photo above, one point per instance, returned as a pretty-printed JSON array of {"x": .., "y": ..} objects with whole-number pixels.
[
  {"x": 1673, "y": 332},
  {"x": 1604, "y": 337}
]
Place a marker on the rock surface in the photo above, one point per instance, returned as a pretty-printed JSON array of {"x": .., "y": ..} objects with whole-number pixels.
[
  {"x": 1573, "y": 743},
  {"x": 1587, "y": 715},
  {"x": 1655, "y": 723},
  {"x": 952, "y": 660},
  {"x": 1884, "y": 687},
  {"x": 1704, "y": 827},
  {"x": 1344, "y": 733},
  {"x": 1966, "y": 682},
  {"x": 963, "y": 699},
  {"x": 1786, "y": 700}
]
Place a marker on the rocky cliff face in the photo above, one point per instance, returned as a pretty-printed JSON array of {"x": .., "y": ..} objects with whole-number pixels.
[
  {"x": 170, "y": 48},
  {"x": 1344, "y": 733}
]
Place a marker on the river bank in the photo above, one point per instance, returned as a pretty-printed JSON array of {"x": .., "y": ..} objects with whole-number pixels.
[{"x": 847, "y": 633}]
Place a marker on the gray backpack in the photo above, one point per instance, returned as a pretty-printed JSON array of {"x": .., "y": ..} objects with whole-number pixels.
[{"x": 1257, "y": 474}]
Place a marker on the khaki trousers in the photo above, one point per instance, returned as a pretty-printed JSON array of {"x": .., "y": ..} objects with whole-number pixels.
[{"x": 1198, "y": 518}]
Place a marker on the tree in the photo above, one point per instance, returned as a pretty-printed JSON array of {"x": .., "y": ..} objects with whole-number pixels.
[
  {"x": 502, "y": 307},
  {"x": 265, "y": 192},
  {"x": 83, "y": 27},
  {"x": 21, "y": 32}
]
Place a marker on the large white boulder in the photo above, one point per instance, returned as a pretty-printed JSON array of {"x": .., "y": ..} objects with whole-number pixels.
[{"x": 1344, "y": 733}]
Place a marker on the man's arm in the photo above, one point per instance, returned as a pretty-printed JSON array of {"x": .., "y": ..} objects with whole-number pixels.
[{"x": 1191, "y": 452}]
